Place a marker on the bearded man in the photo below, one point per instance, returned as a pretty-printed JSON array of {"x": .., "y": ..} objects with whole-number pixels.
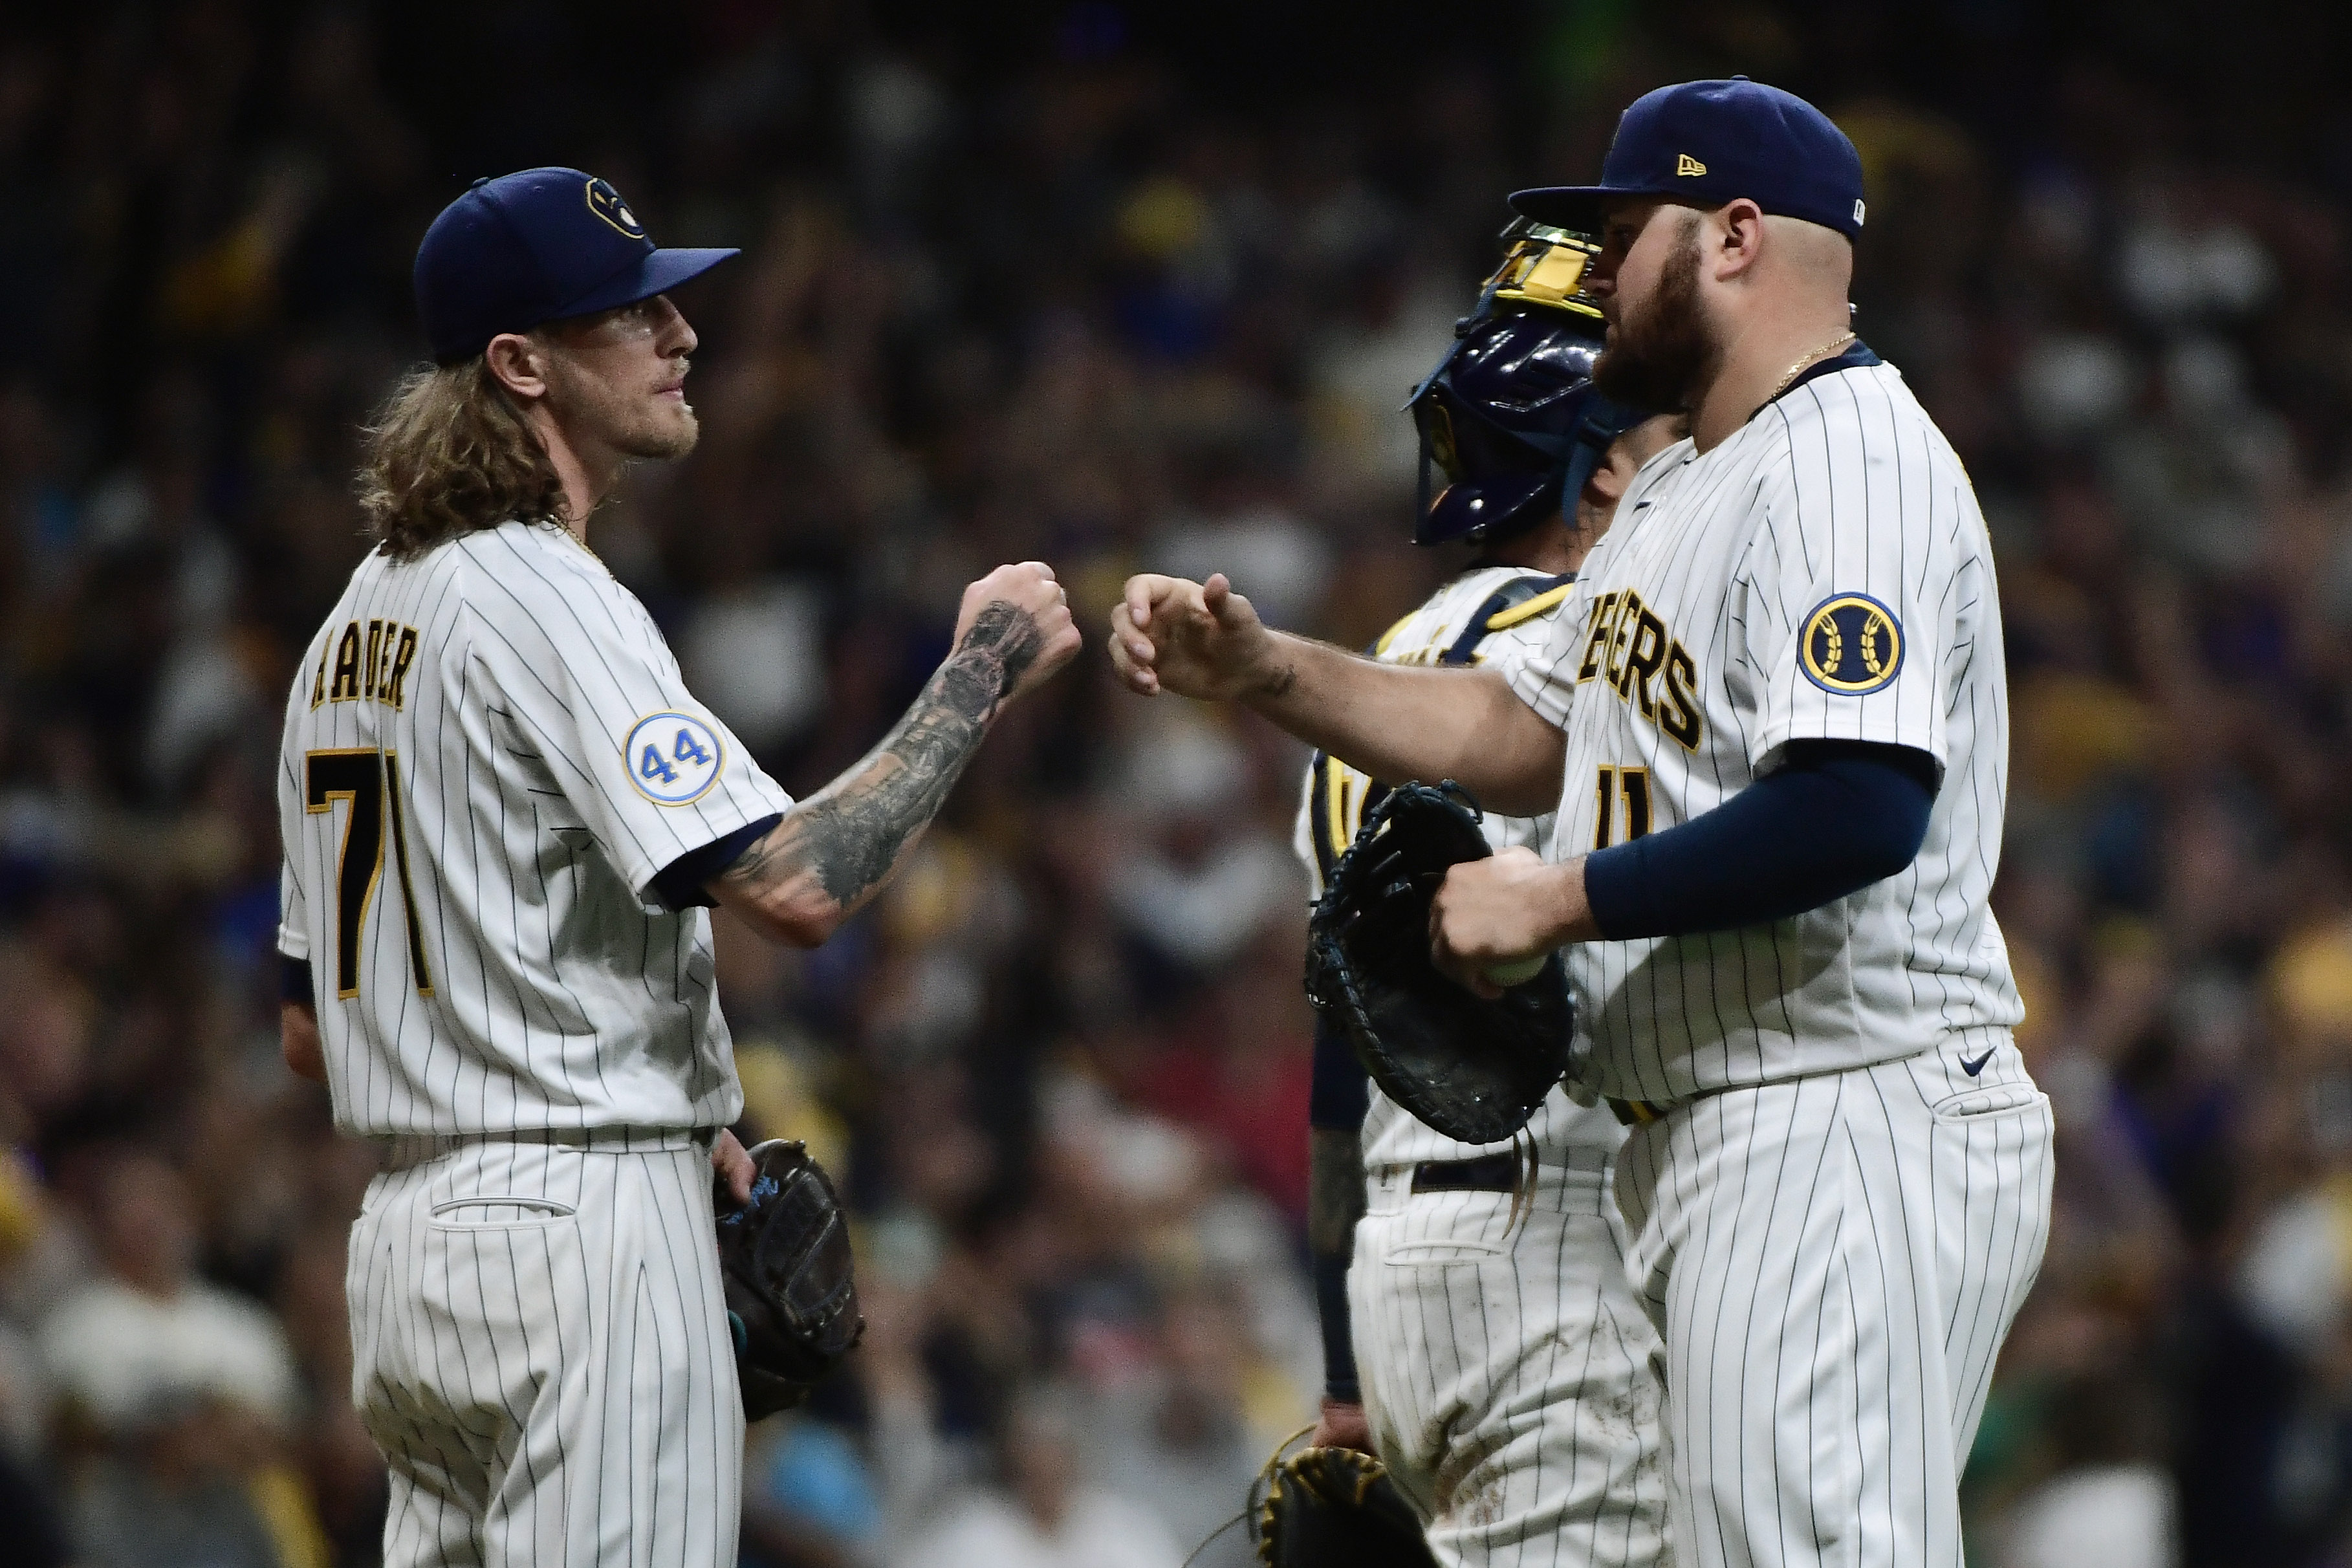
[{"x": 1774, "y": 725}]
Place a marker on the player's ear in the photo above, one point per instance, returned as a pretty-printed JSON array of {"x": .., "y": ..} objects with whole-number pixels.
[
  {"x": 1737, "y": 231},
  {"x": 1606, "y": 483},
  {"x": 519, "y": 363}
]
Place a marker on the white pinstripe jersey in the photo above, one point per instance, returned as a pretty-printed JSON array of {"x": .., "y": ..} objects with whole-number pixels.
[
  {"x": 1334, "y": 808},
  {"x": 1823, "y": 574},
  {"x": 489, "y": 757}
]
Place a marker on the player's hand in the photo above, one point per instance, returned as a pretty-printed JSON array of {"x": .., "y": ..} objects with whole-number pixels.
[
  {"x": 1502, "y": 910},
  {"x": 729, "y": 1158},
  {"x": 1196, "y": 639},
  {"x": 1342, "y": 1426},
  {"x": 1038, "y": 642}
]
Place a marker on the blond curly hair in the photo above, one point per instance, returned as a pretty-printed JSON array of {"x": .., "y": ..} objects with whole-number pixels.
[{"x": 449, "y": 454}]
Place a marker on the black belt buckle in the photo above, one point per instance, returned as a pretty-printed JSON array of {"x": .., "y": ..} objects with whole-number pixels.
[{"x": 1487, "y": 1173}]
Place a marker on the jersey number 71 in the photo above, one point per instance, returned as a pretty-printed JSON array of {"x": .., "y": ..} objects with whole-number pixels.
[{"x": 368, "y": 782}]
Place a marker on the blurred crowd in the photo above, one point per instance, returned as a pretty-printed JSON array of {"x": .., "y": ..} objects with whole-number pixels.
[{"x": 1036, "y": 289}]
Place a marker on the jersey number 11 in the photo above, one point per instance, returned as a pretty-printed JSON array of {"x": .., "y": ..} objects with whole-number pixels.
[{"x": 1634, "y": 785}]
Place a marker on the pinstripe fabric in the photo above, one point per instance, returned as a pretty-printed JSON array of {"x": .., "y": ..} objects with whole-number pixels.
[
  {"x": 1833, "y": 1229},
  {"x": 1511, "y": 1380},
  {"x": 553, "y": 993},
  {"x": 1698, "y": 603},
  {"x": 540, "y": 1352},
  {"x": 1509, "y": 1371},
  {"x": 1333, "y": 808},
  {"x": 470, "y": 829},
  {"x": 1832, "y": 1263}
]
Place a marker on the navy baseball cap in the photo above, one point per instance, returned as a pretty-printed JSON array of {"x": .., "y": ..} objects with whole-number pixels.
[
  {"x": 1709, "y": 142},
  {"x": 536, "y": 246}
]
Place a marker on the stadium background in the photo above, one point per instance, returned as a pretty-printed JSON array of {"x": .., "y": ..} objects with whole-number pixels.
[{"x": 1121, "y": 286}]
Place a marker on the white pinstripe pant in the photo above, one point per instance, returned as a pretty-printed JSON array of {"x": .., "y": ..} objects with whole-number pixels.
[
  {"x": 1509, "y": 1375},
  {"x": 1834, "y": 1262},
  {"x": 540, "y": 1352}
]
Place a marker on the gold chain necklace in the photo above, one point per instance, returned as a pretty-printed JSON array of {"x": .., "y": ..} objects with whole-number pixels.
[
  {"x": 580, "y": 542},
  {"x": 1808, "y": 357}
]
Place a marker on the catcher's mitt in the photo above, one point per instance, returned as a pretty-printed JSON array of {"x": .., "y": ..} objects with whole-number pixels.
[
  {"x": 791, "y": 1300},
  {"x": 1333, "y": 1507},
  {"x": 1473, "y": 1069}
]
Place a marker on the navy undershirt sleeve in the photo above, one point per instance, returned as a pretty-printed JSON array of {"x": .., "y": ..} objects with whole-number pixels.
[
  {"x": 679, "y": 884},
  {"x": 1837, "y": 816}
]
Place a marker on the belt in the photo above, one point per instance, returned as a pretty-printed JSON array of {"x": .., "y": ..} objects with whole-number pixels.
[
  {"x": 405, "y": 1149},
  {"x": 1487, "y": 1173},
  {"x": 1637, "y": 1112}
]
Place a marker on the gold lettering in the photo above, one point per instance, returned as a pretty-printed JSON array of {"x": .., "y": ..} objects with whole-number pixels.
[
  {"x": 1642, "y": 660},
  {"x": 374, "y": 658},
  {"x": 345, "y": 685},
  {"x": 1612, "y": 668},
  {"x": 1601, "y": 609},
  {"x": 399, "y": 683},
  {"x": 1678, "y": 702}
]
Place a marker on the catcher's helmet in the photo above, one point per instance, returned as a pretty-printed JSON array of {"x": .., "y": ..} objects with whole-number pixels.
[{"x": 1509, "y": 413}]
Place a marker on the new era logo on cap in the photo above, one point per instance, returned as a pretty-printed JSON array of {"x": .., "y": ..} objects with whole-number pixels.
[{"x": 1714, "y": 141}]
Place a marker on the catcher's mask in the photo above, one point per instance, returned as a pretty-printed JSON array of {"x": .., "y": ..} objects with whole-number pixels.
[{"x": 1510, "y": 414}]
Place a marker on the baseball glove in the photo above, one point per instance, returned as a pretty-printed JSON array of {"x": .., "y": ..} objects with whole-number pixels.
[
  {"x": 1475, "y": 1070},
  {"x": 1333, "y": 1507},
  {"x": 792, "y": 1300}
]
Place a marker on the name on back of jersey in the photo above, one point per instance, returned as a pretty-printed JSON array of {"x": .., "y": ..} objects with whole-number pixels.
[
  {"x": 1637, "y": 656},
  {"x": 370, "y": 663}
]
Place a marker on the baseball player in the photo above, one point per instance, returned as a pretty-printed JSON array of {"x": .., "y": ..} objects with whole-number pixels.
[
  {"x": 504, "y": 817},
  {"x": 1507, "y": 1375},
  {"x": 1774, "y": 722}
]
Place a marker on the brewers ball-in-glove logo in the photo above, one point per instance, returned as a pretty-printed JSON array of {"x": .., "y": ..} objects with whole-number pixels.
[
  {"x": 1852, "y": 645},
  {"x": 673, "y": 758},
  {"x": 607, "y": 204}
]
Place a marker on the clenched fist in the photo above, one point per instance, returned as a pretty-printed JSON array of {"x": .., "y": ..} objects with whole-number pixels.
[
  {"x": 1507, "y": 906},
  {"x": 1021, "y": 615},
  {"x": 1196, "y": 639}
]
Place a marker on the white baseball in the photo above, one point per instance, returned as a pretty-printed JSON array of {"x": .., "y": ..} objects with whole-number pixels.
[{"x": 1515, "y": 970}]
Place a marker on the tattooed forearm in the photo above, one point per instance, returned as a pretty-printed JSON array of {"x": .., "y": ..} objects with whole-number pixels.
[
  {"x": 849, "y": 836},
  {"x": 1335, "y": 1191}
]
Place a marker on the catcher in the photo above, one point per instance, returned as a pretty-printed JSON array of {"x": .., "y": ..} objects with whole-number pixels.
[{"x": 1507, "y": 1375}]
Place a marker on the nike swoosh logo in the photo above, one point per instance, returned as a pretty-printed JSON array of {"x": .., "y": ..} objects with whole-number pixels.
[{"x": 1976, "y": 1066}]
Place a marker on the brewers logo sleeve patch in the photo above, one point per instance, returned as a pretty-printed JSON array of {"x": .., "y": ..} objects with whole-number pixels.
[
  {"x": 1822, "y": 574},
  {"x": 1851, "y": 646},
  {"x": 1837, "y": 1183},
  {"x": 1838, "y": 1191}
]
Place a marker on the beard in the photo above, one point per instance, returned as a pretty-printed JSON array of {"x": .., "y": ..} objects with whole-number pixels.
[
  {"x": 632, "y": 425},
  {"x": 1656, "y": 361}
]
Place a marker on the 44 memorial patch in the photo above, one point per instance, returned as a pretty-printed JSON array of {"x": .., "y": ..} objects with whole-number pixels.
[
  {"x": 673, "y": 758},
  {"x": 1852, "y": 644}
]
